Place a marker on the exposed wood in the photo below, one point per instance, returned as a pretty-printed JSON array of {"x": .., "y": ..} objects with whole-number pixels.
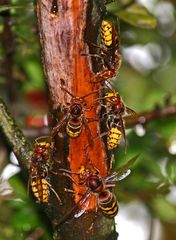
[{"x": 62, "y": 41}]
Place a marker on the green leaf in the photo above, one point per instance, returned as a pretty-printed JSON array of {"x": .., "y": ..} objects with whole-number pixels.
[
  {"x": 35, "y": 74},
  {"x": 164, "y": 209},
  {"x": 113, "y": 7},
  {"x": 136, "y": 15},
  {"x": 18, "y": 187},
  {"x": 121, "y": 170}
]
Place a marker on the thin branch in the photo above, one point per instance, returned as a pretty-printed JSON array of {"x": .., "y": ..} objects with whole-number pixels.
[
  {"x": 15, "y": 137},
  {"x": 145, "y": 117}
]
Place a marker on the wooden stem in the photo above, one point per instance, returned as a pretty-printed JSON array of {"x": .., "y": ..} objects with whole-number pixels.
[
  {"x": 15, "y": 137},
  {"x": 63, "y": 45}
]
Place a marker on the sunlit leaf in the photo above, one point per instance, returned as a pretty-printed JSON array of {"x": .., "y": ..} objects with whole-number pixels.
[{"x": 136, "y": 15}]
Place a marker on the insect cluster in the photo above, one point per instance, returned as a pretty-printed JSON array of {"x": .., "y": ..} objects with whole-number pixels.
[{"x": 112, "y": 112}]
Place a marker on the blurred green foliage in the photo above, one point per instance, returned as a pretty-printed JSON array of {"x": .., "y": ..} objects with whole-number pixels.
[{"x": 146, "y": 78}]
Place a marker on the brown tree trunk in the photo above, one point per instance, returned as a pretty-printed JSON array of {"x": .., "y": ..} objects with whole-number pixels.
[{"x": 63, "y": 44}]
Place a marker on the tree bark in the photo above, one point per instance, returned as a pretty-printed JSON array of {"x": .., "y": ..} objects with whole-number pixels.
[
  {"x": 62, "y": 36},
  {"x": 16, "y": 139}
]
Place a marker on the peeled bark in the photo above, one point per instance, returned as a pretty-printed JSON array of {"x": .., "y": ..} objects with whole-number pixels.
[{"x": 63, "y": 42}]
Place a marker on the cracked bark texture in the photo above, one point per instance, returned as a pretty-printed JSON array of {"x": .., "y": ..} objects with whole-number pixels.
[{"x": 63, "y": 44}]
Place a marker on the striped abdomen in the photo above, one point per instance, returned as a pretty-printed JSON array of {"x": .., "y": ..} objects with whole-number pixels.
[
  {"x": 74, "y": 128},
  {"x": 108, "y": 204},
  {"x": 107, "y": 33},
  {"x": 113, "y": 138},
  {"x": 40, "y": 189}
]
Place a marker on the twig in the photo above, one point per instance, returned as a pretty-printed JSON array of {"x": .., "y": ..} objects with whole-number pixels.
[
  {"x": 142, "y": 118},
  {"x": 15, "y": 137},
  {"x": 148, "y": 116}
]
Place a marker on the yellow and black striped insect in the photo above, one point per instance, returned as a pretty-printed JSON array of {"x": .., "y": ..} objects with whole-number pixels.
[
  {"x": 74, "y": 117},
  {"x": 108, "y": 204},
  {"x": 115, "y": 111},
  {"x": 114, "y": 136},
  {"x": 109, "y": 37},
  {"x": 114, "y": 132},
  {"x": 38, "y": 173},
  {"x": 97, "y": 186},
  {"x": 109, "y": 50}
]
